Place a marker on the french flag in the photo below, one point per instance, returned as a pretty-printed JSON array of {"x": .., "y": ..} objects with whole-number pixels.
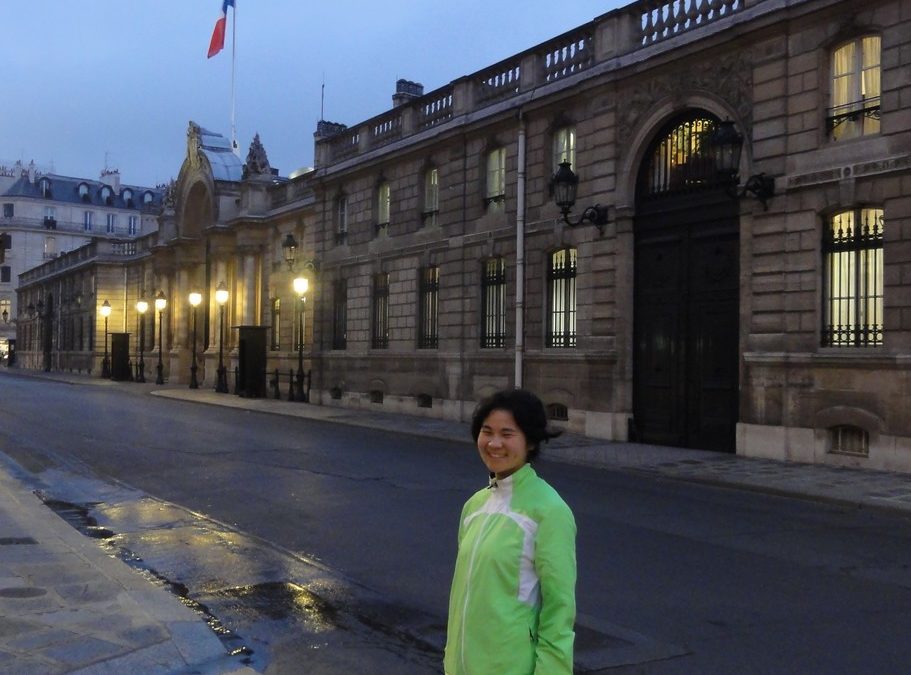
[{"x": 217, "y": 43}]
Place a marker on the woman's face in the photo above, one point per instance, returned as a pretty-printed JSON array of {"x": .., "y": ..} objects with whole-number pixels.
[{"x": 502, "y": 444}]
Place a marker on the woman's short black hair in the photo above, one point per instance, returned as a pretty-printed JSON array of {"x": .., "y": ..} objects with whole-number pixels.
[{"x": 526, "y": 409}]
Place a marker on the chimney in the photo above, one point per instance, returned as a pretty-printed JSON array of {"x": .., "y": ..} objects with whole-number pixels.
[
  {"x": 111, "y": 177},
  {"x": 405, "y": 91},
  {"x": 31, "y": 171}
]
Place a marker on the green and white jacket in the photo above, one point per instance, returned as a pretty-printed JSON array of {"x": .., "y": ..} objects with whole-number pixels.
[{"x": 513, "y": 605}]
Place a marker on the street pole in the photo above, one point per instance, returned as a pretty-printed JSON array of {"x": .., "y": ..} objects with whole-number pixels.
[
  {"x": 160, "y": 304},
  {"x": 105, "y": 362},
  {"x": 221, "y": 297},
  {"x": 195, "y": 299}
]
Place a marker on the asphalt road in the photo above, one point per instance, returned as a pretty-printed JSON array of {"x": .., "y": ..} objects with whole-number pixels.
[{"x": 673, "y": 577}]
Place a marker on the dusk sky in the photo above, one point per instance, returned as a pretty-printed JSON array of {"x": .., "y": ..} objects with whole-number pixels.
[{"x": 114, "y": 83}]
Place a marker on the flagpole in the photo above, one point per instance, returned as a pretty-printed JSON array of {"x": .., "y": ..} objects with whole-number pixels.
[{"x": 233, "y": 62}]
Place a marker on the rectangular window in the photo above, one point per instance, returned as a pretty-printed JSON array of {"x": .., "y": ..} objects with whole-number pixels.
[
  {"x": 493, "y": 303},
  {"x": 856, "y": 89},
  {"x": 340, "y": 314},
  {"x": 276, "y": 327},
  {"x": 88, "y": 219},
  {"x": 428, "y": 308},
  {"x": 133, "y": 226},
  {"x": 561, "y": 284},
  {"x": 565, "y": 147},
  {"x": 6, "y": 309},
  {"x": 431, "y": 197},
  {"x": 495, "y": 197},
  {"x": 111, "y": 223},
  {"x": 383, "y": 200},
  {"x": 5, "y": 274},
  {"x": 380, "y": 311},
  {"x": 341, "y": 220},
  {"x": 853, "y": 281},
  {"x": 8, "y": 210},
  {"x": 50, "y": 247}
]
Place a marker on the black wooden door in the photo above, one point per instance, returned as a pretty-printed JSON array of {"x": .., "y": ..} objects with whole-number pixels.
[{"x": 685, "y": 368}]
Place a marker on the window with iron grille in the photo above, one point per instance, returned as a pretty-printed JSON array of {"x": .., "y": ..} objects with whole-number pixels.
[
  {"x": 341, "y": 219},
  {"x": 380, "y": 311},
  {"x": 493, "y": 303},
  {"x": 845, "y": 439},
  {"x": 856, "y": 89},
  {"x": 428, "y": 308},
  {"x": 561, "y": 287},
  {"x": 680, "y": 161},
  {"x": 853, "y": 279},
  {"x": 275, "y": 333},
  {"x": 340, "y": 314}
]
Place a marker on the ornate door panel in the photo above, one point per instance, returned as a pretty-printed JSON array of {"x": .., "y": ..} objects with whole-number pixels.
[{"x": 686, "y": 293}]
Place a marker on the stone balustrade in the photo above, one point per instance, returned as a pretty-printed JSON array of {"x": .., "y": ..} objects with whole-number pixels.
[{"x": 637, "y": 26}]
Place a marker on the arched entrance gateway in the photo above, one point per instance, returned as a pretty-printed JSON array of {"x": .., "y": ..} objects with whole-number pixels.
[{"x": 686, "y": 291}]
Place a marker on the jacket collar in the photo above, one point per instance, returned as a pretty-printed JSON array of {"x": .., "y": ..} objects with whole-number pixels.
[{"x": 512, "y": 479}]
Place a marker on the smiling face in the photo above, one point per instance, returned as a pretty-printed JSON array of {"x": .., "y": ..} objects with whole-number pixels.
[{"x": 502, "y": 444}]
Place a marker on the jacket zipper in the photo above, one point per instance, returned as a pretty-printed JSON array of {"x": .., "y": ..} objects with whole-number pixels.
[{"x": 471, "y": 561}]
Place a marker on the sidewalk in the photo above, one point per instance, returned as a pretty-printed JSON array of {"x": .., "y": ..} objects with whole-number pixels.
[{"x": 66, "y": 606}]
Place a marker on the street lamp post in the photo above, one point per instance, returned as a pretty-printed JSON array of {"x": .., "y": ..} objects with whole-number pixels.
[
  {"x": 44, "y": 330},
  {"x": 105, "y": 363},
  {"x": 195, "y": 299},
  {"x": 300, "y": 287},
  {"x": 160, "y": 303},
  {"x": 221, "y": 297},
  {"x": 142, "y": 307}
]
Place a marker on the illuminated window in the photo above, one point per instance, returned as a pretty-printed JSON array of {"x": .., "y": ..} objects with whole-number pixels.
[
  {"x": 431, "y": 197},
  {"x": 383, "y": 200},
  {"x": 429, "y": 308},
  {"x": 856, "y": 89},
  {"x": 565, "y": 147},
  {"x": 853, "y": 281},
  {"x": 493, "y": 303},
  {"x": 679, "y": 159},
  {"x": 495, "y": 198},
  {"x": 561, "y": 284}
]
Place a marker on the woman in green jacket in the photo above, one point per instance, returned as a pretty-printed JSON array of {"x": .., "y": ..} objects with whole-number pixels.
[{"x": 512, "y": 605}]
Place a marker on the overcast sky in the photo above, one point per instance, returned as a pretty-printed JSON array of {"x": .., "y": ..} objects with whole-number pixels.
[{"x": 113, "y": 83}]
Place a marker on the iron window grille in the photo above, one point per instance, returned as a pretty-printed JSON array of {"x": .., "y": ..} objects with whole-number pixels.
[
  {"x": 380, "y": 311},
  {"x": 340, "y": 314},
  {"x": 431, "y": 198},
  {"x": 561, "y": 283},
  {"x": 681, "y": 161},
  {"x": 493, "y": 303},
  {"x": 428, "y": 308},
  {"x": 383, "y": 207},
  {"x": 853, "y": 279}
]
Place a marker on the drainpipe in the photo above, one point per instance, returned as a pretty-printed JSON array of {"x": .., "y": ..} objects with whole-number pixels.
[{"x": 520, "y": 256}]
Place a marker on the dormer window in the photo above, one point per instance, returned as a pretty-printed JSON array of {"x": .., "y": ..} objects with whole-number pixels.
[
  {"x": 147, "y": 197},
  {"x": 107, "y": 195},
  {"x": 128, "y": 197},
  {"x": 44, "y": 185},
  {"x": 84, "y": 192}
]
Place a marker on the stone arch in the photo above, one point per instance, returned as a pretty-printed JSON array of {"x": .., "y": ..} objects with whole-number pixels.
[
  {"x": 644, "y": 134},
  {"x": 197, "y": 210}
]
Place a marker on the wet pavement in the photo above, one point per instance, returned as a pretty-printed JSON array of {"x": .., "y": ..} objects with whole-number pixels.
[{"x": 68, "y": 604}]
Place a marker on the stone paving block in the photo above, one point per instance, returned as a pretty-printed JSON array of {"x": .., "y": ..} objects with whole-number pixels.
[
  {"x": 10, "y": 626},
  {"x": 83, "y": 651},
  {"x": 160, "y": 658},
  {"x": 40, "y": 637},
  {"x": 16, "y": 664},
  {"x": 196, "y": 641},
  {"x": 93, "y": 591}
]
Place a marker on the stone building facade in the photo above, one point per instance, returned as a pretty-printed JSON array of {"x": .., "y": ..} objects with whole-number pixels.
[
  {"x": 46, "y": 214},
  {"x": 763, "y": 306}
]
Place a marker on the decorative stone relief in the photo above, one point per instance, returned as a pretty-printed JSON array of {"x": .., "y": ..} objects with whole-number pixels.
[
  {"x": 257, "y": 163},
  {"x": 193, "y": 145},
  {"x": 729, "y": 77}
]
